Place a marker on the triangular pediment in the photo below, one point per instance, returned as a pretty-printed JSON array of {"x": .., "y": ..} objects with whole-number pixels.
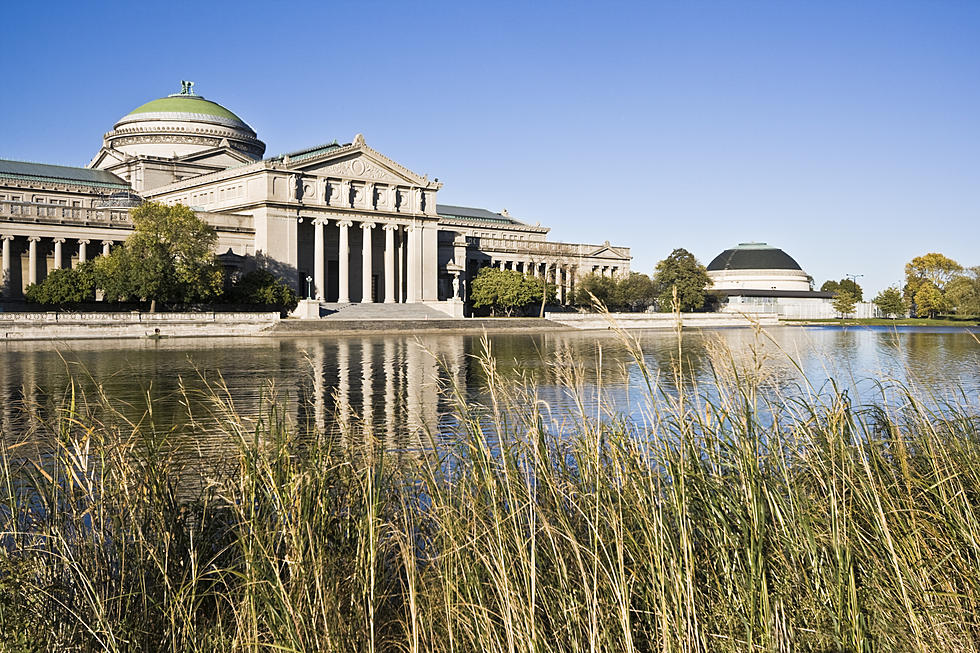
[
  {"x": 358, "y": 161},
  {"x": 106, "y": 158},
  {"x": 607, "y": 251},
  {"x": 218, "y": 156}
]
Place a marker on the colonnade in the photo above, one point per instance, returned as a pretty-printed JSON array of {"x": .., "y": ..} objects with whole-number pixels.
[
  {"x": 400, "y": 253},
  {"x": 37, "y": 247},
  {"x": 562, "y": 275}
]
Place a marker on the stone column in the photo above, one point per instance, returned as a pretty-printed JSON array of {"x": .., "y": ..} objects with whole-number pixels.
[
  {"x": 343, "y": 263},
  {"x": 390, "y": 263},
  {"x": 82, "y": 253},
  {"x": 32, "y": 259},
  {"x": 560, "y": 274},
  {"x": 319, "y": 271},
  {"x": 5, "y": 280},
  {"x": 367, "y": 263},
  {"x": 414, "y": 289},
  {"x": 106, "y": 244},
  {"x": 501, "y": 264},
  {"x": 57, "y": 252},
  {"x": 400, "y": 288}
]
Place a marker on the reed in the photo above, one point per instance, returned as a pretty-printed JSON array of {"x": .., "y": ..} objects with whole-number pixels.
[{"x": 730, "y": 517}]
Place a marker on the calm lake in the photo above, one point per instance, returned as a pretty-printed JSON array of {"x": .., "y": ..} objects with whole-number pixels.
[{"x": 394, "y": 381}]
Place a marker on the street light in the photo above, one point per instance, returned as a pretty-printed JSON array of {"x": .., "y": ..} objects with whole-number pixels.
[
  {"x": 309, "y": 287},
  {"x": 853, "y": 277}
]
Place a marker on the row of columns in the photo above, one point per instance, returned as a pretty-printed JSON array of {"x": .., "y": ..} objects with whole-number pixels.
[
  {"x": 414, "y": 267},
  {"x": 32, "y": 255},
  {"x": 561, "y": 275}
]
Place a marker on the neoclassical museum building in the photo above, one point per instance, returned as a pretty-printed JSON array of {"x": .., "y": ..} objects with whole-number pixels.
[{"x": 341, "y": 222}]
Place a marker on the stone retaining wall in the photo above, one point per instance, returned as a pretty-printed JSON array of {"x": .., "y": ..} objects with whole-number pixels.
[
  {"x": 135, "y": 324},
  {"x": 660, "y": 320}
]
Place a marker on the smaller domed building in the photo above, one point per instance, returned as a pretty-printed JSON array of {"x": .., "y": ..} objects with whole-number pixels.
[{"x": 759, "y": 278}]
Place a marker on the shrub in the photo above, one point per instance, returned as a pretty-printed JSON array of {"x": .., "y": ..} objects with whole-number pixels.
[
  {"x": 64, "y": 287},
  {"x": 262, "y": 288}
]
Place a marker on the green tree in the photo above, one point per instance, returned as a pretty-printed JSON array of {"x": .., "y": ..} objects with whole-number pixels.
[
  {"x": 65, "y": 287},
  {"x": 844, "y": 303},
  {"x": 932, "y": 268},
  {"x": 683, "y": 271},
  {"x": 594, "y": 285},
  {"x": 168, "y": 257},
  {"x": 261, "y": 287},
  {"x": 930, "y": 301},
  {"x": 634, "y": 292},
  {"x": 963, "y": 292},
  {"x": 830, "y": 286},
  {"x": 506, "y": 291},
  {"x": 847, "y": 285},
  {"x": 890, "y": 302}
]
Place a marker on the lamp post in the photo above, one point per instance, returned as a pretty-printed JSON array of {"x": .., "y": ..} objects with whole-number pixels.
[
  {"x": 853, "y": 277},
  {"x": 309, "y": 287}
]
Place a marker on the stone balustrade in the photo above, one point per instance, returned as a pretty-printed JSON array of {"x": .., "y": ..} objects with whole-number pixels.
[{"x": 60, "y": 214}]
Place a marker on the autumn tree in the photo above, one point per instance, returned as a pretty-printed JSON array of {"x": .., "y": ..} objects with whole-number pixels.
[
  {"x": 932, "y": 268},
  {"x": 890, "y": 302},
  {"x": 681, "y": 270},
  {"x": 930, "y": 301}
]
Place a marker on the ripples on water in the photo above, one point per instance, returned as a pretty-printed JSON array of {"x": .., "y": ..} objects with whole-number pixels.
[{"x": 394, "y": 381}]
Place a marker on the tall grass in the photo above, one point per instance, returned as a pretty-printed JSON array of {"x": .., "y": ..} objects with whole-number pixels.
[{"x": 730, "y": 518}]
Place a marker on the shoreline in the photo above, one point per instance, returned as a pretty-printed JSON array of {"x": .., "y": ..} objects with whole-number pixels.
[{"x": 134, "y": 325}]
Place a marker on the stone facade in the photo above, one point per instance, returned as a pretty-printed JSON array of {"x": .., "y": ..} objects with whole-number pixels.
[{"x": 341, "y": 222}]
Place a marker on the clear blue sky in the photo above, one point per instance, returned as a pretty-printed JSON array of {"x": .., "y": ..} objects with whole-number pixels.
[{"x": 846, "y": 133}]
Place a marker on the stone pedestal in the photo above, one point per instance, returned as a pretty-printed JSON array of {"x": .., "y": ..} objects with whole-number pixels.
[{"x": 307, "y": 309}]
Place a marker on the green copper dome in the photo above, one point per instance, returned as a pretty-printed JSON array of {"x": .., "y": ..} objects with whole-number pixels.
[{"x": 186, "y": 104}]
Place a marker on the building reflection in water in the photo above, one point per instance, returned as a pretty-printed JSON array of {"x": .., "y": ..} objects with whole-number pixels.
[{"x": 386, "y": 389}]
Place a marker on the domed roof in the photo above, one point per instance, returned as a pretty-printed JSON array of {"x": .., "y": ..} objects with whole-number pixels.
[
  {"x": 180, "y": 125},
  {"x": 753, "y": 256},
  {"x": 185, "y": 106}
]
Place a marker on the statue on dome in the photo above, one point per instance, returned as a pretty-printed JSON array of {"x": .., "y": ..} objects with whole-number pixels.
[{"x": 186, "y": 88}]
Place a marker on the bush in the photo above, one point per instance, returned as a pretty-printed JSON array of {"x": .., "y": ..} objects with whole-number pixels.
[
  {"x": 64, "y": 287},
  {"x": 261, "y": 287}
]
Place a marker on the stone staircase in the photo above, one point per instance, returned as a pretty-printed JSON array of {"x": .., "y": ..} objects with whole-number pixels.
[{"x": 380, "y": 312}]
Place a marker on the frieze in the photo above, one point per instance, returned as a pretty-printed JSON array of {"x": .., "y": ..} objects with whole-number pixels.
[
  {"x": 360, "y": 169},
  {"x": 167, "y": 138}
]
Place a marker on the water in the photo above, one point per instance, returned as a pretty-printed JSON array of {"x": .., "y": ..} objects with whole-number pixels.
[{"x": 394, "y": 381}]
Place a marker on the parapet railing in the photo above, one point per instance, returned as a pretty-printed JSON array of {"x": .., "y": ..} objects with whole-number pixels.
[
  {"x": 41, "y": 213},
  {"x": 536, "y": 247},
  {"x": 60, "y": 214}
]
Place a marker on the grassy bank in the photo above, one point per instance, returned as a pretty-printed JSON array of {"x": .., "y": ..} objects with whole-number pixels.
[{"x": 730, "y": 519}]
